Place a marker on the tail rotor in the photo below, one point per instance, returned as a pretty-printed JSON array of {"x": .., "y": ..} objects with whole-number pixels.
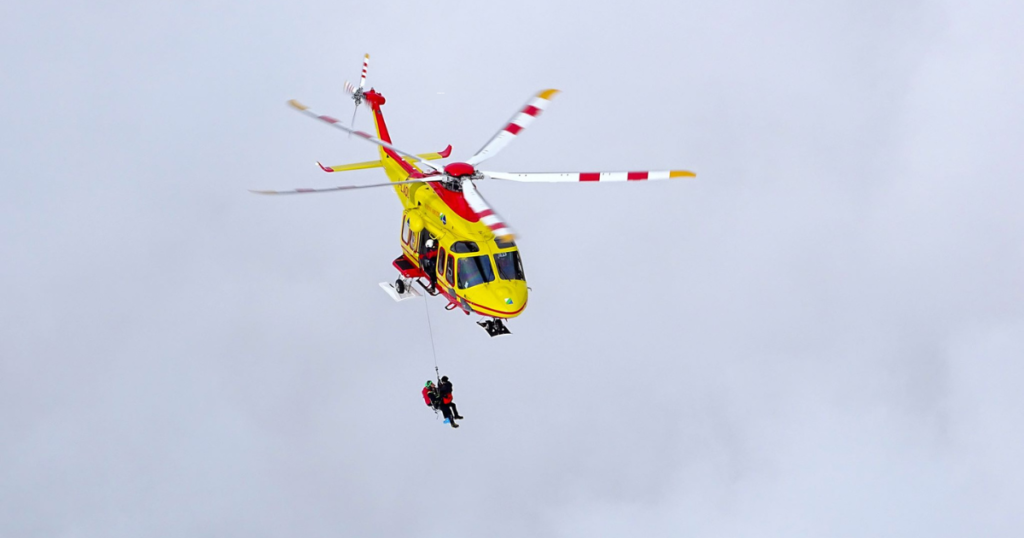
[{"x": 356, "y": 92}]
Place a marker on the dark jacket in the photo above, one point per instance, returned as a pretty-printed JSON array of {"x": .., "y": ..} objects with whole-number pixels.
[{"x": 445, "y": 390}]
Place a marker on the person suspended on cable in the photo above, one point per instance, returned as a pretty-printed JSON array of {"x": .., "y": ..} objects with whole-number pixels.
[
  {"x": 444, "y": 390},
  {"x": 433, "y": 400},
  {"x": 430, "y": 396}
]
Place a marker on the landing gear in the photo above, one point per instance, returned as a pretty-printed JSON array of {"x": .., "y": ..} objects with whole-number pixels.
[
  {"x": 494, "y": 327},
  {"x": 400, "y": 290},
  {"x": 429, "y": 287}
]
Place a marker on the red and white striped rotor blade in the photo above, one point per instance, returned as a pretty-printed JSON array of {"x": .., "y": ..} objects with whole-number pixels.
[
  {"x": 333, "y": 122},
  {"x": 520, "y": 121},
  {"x": 366, "y": 65},
  {"x": 605, "y": 177},
  {"x": 484, "y": 211},
  {"x": 346, "y": 187}
]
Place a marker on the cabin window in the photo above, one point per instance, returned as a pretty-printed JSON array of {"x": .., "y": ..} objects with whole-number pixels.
[
  {"x": 449, "y": 271},
  {"x": 475, "y": 270},
  {"x": 441, "y": 259},
  {"x": 504, "y": 243},
  {"x": 509, "y": 266},
  {"x": 408, "y": 236},
  {"x": 465, "y": 247}
]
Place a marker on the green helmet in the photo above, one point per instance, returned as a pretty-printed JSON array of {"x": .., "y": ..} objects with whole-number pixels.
[{"x": 429, "y": 383}]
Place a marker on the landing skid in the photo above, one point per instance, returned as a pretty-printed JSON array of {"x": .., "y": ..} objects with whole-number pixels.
[
  {"x": 400, "y": 290},
  {"x": 494, "y": 327}
]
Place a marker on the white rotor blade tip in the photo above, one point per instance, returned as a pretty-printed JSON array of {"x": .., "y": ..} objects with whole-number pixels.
[{"x": 521, "y": 120}]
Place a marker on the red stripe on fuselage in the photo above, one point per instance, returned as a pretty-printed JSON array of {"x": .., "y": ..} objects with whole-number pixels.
[
  {"x": 449, "y": 293},
  {"x": 500, "y": 313},
  {"x": 455, "y": 201},
  {"x": 413, "y": 173}
]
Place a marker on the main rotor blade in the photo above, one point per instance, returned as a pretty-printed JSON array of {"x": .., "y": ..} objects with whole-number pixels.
[
  {"x": 346, "y": 187},
  {"x": 573, "y": 177},
  {"x": 520, "y": 121},
  {"x": 484, "y": 211},
  {"x": 366, "y": 65},
  {"x": 337, "y": 125}
]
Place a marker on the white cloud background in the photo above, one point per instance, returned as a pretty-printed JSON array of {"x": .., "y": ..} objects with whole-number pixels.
[{"x": 821, "y": 335}]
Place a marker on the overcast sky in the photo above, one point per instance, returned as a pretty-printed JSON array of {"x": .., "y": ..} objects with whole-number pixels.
[{"x": 820, "y": 335}]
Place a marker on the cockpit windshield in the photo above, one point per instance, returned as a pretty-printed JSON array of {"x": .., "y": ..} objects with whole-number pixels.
[
  {"x": 462, "y": 247},
  {"x": 501, "y": 242},
  {"x": 509, "y": 266},
  {"x": 475, "y": 270}
]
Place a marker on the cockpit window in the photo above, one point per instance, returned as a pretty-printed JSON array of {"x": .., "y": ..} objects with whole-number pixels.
[
  {"x": 504, "y": 243},
  {"x": 465, "y": 247},
  {"x": 474, "y": 270},
  {"x": 509, "y": 266}
]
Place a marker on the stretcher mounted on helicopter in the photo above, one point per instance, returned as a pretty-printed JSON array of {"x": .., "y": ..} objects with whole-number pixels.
[{"x": 454, "y": 244}]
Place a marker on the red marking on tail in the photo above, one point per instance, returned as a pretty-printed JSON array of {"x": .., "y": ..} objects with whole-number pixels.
[
  {"x": 377, "y": 100},
  {"x": 404, "y": 165}
]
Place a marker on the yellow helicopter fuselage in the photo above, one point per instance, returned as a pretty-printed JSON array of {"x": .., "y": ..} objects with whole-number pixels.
[{"x": 475, "y": 270}]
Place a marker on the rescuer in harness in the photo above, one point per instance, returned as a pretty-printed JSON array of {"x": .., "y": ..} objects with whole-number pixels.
[
  {"x": 445, "y": 391},
  {"x": 428, "y": 261}
]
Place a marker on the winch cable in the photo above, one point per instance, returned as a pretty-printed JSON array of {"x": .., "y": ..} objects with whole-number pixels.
[{"x": 433, "y": 350}]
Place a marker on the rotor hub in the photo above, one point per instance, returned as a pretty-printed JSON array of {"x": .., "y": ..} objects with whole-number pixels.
[{"x": 459, "y": 170}]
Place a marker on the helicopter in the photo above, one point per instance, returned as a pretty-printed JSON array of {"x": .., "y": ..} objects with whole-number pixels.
[{"x": 454, "y": 244}]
